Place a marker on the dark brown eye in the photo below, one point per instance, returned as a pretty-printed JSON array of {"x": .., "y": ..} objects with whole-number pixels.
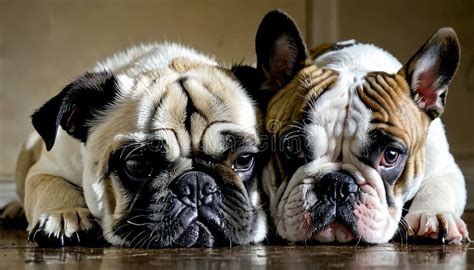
[
  {"x": 138, "y": 169},
  {"x": 293, "y": 148},
  {"x": 390, "y": 157},
  {"x": 243, "y": 163}
]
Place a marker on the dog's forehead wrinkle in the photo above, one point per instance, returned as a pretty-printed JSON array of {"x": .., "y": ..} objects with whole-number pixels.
[
  {"x": 357, "y": 116},
  {"x": 227, "y": 133},
  {"x": 210, "y": 92},
  {"x": 338, "y": 121},
  {"x": 205, "y": 100},
  {"x": 149, "y": 99}
]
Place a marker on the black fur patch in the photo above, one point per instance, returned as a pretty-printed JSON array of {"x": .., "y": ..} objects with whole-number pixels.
[
  {"x": 370, "y": 155},
  {"x": 251, "y": 82},
  {"x": 74, "y": 107}
]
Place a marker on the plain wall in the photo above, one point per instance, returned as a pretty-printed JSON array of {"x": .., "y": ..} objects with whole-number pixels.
[{"x": 46, "y": 44}]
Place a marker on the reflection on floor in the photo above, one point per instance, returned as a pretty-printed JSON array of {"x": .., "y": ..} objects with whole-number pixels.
[{"x": 15, "y": 253}]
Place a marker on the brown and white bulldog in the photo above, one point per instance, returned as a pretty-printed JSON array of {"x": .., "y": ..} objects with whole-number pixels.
[
  {"x": 358, "y": 139},
  {"x": 155, "y": 147}
]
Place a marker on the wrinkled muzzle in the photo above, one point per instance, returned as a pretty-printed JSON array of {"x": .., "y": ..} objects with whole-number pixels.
[
  {"x": 334, "y": 206},
  {"x": 336, "y": 194}
]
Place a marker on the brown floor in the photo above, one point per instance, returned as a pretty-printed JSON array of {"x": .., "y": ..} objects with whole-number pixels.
[{"x": 15, "y": 253}]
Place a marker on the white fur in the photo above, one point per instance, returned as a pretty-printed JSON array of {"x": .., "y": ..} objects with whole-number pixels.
[
  {"x": 150, "y": 57},
  {"x": 359, "y": 59},
  {"x": 428, "y": 64}
]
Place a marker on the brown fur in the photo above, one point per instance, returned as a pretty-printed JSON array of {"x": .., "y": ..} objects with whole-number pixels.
[
  {"x": 287, "y": 106},
  {"x": 394, "y": 112}
]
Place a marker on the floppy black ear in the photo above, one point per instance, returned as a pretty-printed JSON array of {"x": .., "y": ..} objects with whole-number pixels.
[
  {"x": 74, "y": 106},
  {"x": 430, "y": 71},
  {"x": 281, "y": 52}
]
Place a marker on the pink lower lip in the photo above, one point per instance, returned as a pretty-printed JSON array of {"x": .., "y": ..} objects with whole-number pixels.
[{"x": 331, "y": 228}]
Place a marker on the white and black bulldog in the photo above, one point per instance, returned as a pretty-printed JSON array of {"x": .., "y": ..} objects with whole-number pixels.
[
  {"x": 156, "y": 147},
  {"x": 358, "y": 138}
]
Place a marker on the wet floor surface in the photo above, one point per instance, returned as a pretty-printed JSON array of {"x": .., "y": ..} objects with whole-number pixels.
[{"x": 16, "y": 253}]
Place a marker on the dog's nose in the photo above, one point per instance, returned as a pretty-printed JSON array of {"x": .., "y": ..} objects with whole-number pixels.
[
  {"x": 336, "y": 187},
  {"x": 195, "y": 188}
]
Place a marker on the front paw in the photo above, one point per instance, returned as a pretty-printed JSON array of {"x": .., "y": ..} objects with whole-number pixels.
[
  {"x": 66, "y": 227},
  {"x": 439, "y": 228}
]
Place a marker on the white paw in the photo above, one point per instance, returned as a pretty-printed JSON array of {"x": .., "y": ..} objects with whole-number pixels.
[
  {"x": 443, "y": 227},
  {"x": 63, "y": 227}
]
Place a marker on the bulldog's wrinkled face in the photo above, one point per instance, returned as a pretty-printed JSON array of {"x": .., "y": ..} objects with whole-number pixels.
[
  {"x": 348, "y": 159},
  {"x": 170, "y": 153},
  {"x": 350, "y": 125}
]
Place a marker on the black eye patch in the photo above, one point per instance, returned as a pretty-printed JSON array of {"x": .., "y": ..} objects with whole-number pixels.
[
  {"x": 234, "y": 141},
  {"x": 293, "y": 150},
  {"x": 137, "y": 162},
  {"x": 241, "y": 155},
  {"x": 377, "y": 144}
]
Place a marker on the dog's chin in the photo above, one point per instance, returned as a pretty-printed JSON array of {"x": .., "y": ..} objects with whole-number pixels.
[
  {"x": 196, "y": 235},
  {"x": 362, "y": 232},
  {"x": 181, "y": 227},
  {"x": 334, "y": 224},
  {"x": 338, "y": 232},
  {"x": 335, "y": 232},
  {"x": 350, "y": 224},
  {"x": 206, "y": 231}
]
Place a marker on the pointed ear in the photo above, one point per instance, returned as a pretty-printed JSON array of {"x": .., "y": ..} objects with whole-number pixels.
[
  {"x": 281, "y": 52},
  {"x": 430, "y": 71},
  {"x": 74, "y": 107}
]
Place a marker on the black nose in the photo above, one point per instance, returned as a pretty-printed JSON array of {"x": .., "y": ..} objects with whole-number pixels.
[
  {"x": 337, "y": 187},
  {"x": 195, "y": 188}
]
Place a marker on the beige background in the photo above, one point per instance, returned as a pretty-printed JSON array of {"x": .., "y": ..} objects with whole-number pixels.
[{"x": 45, "y": 44}]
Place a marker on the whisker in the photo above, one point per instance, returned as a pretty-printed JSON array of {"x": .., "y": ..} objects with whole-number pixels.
[
  {"x": 278, "y": 225},
  {"x": 144, "y": 239},
  {"x": 134, "y": 144},
  {"x": 152, "y": 238},
  {"x": 139, "y": 224},
  {"x": 358, "y": 241},
  {"x": 125, "y": 239},
  {"x": 137, "y": 236}
]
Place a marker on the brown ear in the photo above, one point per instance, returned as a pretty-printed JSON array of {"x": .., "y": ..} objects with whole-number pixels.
[{"x": 430, "y": 71}]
